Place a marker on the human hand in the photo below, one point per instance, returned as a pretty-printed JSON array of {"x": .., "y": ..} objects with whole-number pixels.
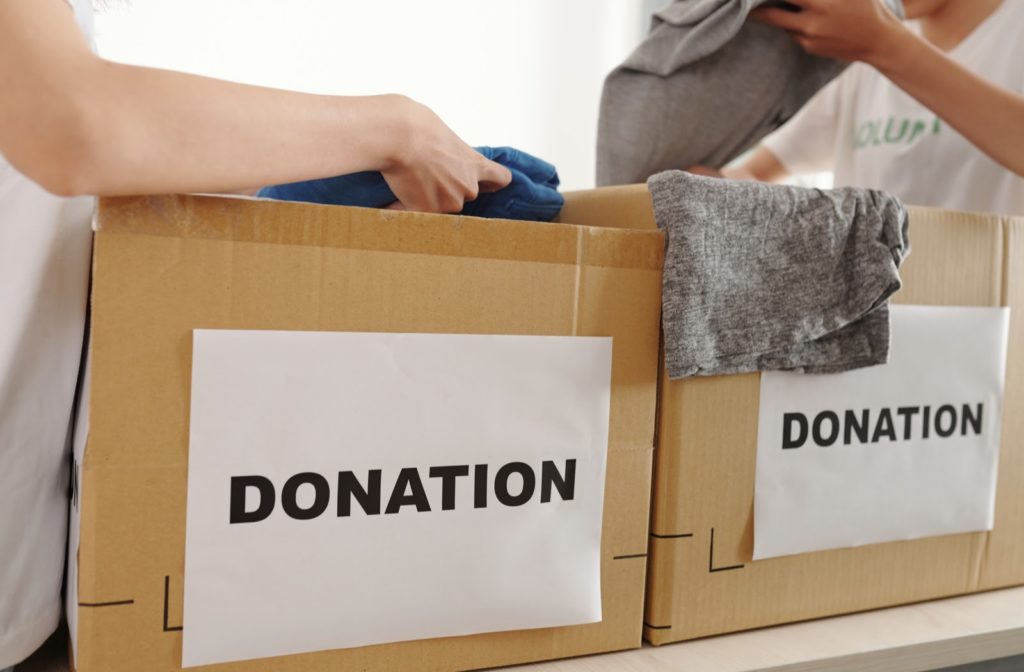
[
  {"x": 848, "y": 30},
  {"x": 432, "y": 169},
  {"x": 706, "y": 171}
]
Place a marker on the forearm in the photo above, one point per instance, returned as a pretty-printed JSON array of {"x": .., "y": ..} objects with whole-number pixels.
[
  {"x": 76, "y": 124},
  {"x": 155, "y": 131},
  {"x": 989, "y": 116}
]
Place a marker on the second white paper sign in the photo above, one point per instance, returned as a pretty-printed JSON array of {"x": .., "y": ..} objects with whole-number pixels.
[{"x": 901, "y": 451}]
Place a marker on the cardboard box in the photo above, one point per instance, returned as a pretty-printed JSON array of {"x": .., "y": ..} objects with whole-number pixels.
[
  {"x": 701, "y": 578},
  {"x": 164, "y": 266}
]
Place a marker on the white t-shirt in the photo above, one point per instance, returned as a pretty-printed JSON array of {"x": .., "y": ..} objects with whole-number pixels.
[
  {"x": 872, "y": 134},
  {"x": 45, "y": 243}
]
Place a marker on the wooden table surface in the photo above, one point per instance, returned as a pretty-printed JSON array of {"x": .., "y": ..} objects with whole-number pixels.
[{"x": 912, "y": 638}]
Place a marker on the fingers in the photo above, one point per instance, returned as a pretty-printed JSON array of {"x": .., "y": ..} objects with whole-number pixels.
[
  {"x": 420, "y": 193},
  {"x": 789, "y": 5},
  {"x": 444, "y": 175},
  {"x": 795, "y": 22},
  {"x": 706, "y": 171},
  {"x": 446, "y": 203},
  {"x": 491, "y": 187},
  {"x": 453, "y": 195},
  {"x": 493, "y": 177},
  {"x": 806, "y": 43}
]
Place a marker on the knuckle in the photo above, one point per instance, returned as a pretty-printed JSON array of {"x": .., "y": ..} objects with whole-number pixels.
[{"x": 450, "y": 203}]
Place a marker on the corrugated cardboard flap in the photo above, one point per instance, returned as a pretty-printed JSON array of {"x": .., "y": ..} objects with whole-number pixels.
[{"x": 283, "y": 223}]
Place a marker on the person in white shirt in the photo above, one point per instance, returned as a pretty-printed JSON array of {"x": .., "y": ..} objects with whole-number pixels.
[
  {"x": 72, "y": 126},
  {"x": 933, "y": 112}
]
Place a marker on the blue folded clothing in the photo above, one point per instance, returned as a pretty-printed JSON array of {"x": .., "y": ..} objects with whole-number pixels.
[{"x": 532, "y": 194}]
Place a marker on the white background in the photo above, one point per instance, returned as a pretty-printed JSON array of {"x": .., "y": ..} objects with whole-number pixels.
[
  {"x": 815, "y": 498},
  {"x": 276, "y": 404},
  {"x": 526, "y": 73}
]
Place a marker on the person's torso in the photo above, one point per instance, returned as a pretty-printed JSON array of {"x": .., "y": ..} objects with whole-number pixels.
[
  {"x": 45, "y": 243},
  {"x": 887, "y": 140}
]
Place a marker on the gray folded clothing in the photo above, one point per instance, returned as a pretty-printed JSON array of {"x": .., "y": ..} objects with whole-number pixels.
[
  {"x": 765, "y": 277},
  {"x": 704, "y": 87}
]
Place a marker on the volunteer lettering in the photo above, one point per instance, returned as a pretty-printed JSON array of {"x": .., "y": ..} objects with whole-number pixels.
[
  {"x": 254, "y": 498},
  {"x": 893, "y": 424}
]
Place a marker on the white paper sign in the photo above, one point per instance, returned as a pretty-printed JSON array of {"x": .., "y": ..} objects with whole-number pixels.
[
  {"x": 348, "y": 489},
  {"x": 901, "y": 451}
]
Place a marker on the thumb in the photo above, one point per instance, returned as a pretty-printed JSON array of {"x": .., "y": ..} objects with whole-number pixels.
[{"x": 493, "y": 177}]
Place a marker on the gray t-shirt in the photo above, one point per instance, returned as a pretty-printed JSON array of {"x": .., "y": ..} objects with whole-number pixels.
[{"x": 765, "y": 277}]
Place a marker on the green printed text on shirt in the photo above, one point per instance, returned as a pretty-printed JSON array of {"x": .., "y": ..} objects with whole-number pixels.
[{"x": 893, "y": 131}]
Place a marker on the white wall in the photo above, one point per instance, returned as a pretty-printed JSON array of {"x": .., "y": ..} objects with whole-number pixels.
[{"x": 526, "y": 73}]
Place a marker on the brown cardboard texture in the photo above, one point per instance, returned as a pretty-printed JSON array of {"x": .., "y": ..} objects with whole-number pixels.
[
  {"x": 701, "y": 578},
  {"x": 164, "y": 266}
]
